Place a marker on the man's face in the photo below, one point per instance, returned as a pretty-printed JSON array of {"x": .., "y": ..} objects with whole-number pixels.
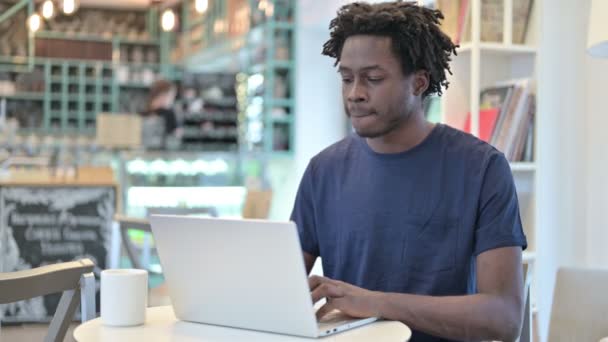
[{"x": 378, "y": 97}]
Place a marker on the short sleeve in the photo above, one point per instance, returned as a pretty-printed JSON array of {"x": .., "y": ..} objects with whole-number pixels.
[
  {"x": 303, "y": 213},
  {"x": 498, "y": 222}
]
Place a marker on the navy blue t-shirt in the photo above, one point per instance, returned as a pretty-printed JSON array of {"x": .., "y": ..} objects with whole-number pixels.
[{"x": 410, "y": 222}]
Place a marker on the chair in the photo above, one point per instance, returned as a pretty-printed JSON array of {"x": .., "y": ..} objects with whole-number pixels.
[
  {"x": 580, "y": 305},
  {"x": 128, "y": 224},
  {"x": 207, "y": 211},
  {"x": 75, "y": 279},
  {"x": 526, "y": 330}
]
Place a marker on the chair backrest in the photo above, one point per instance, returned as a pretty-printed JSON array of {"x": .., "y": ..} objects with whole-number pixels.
[
  {"x": 526, "y": 330},
  {"x": 208, "y": 211},
  {"x": 128, "y": 223},
  {"x": 73, "y": 278},
  {"x": 257, "y": 204},
  {"x": 580, "y": 305}
]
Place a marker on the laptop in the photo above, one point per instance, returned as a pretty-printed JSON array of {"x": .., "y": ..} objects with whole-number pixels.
[{"x": 240, "y": 273}]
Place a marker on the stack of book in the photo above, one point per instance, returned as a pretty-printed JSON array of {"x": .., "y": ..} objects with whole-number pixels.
[{"x": 506, "y": 118}]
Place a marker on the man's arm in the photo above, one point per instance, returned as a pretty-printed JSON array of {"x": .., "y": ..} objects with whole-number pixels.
[
  {"x": 309, "y": 261},
  {"x": 494, "y": 313}
]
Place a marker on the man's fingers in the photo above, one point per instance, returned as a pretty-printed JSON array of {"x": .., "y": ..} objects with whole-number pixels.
[
  {"x": 324, "y": 310},
  {"x": 326, "y": 290},
  {"x": 314, "y": 281}
]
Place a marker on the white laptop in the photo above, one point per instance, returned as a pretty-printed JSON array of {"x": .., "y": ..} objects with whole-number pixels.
[{"x": 240, "y": 273}]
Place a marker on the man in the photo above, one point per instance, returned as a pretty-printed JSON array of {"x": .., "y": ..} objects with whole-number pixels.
[{"x": 413, "y": 221}]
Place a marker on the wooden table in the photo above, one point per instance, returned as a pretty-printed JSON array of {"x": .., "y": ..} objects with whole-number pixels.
[{"x": 161, "y": 325}]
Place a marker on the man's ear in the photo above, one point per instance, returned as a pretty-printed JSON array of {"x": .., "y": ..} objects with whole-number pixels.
[{"x": 421, "y": 82}]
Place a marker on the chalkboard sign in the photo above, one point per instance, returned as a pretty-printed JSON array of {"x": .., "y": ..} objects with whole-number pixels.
[{"x": 47, "y": 225}]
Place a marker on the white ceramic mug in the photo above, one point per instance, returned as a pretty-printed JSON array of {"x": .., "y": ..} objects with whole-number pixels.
[{"x": 124, "y": 297}]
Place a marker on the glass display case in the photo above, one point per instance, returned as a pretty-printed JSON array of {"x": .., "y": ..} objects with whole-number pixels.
[{"x": 189, "y": 180}]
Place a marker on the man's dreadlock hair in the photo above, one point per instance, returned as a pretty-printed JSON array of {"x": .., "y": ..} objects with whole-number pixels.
[{"x": 416, "y": 37}]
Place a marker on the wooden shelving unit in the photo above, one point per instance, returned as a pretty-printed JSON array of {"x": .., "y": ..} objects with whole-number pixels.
[
  {"x": 480, "y": 65},
  {"x": 261, "y": 51}
]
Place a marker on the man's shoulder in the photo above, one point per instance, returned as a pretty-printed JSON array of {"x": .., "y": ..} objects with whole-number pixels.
[
  {"x": 468, "y": 147},
  {"x": 335, "y": 153}
]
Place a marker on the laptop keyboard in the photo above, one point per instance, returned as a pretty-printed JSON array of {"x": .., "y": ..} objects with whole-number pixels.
[{"x": 334, "y": 317}]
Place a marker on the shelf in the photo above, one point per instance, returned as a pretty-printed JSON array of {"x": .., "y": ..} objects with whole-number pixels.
[
  {"x": 54, "y": 61},
  {"x": 523, "y": 167},
  {"x": 24, "y": 96},
  {"x": 214, "y": 136},
  {"x": 92, "y": 38},
  {"x": 14, "y": 59},
  {"x": 128, "y": 41},
  {"x": 222, "y": 102},
  {"x": 283, "y": 25},
  {"x": 72, "y": 113},
  {"x": 77, "y": 80},
  {"x": 154, "y": 66},
  {"x": 103, "y": 98},
  {"x": 280, "y": 103},
  {"x": 219, "y": 117},
  {"x": 134, "y": 85},
  {"x": 276, "y": 65},
  {"x": 282, "y": 154},
  {"x": 71, "y": 36},
  {"x": 282, "y": 120},
  {"x": 499, "y": 48}
]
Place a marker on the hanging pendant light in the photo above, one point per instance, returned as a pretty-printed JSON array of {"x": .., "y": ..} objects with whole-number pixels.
[
  {"x": 167, "y": 20},
  {"x": 201, "y": 6},
  {"x": 48, "y": 9},
  {"x": 34, "y": 22},
  {"x": 69, "y": 6}
]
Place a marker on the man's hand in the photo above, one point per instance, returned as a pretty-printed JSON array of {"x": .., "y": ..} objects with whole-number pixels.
[{"x": 351, "y": 300}]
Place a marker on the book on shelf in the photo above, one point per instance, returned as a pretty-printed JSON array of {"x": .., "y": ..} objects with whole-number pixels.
[
  {"x": 451, "y": 14},
  {"x": 457, "y": 20},
  {"x": 487, "y": 122},
  {"x": 506, "y": 118}
]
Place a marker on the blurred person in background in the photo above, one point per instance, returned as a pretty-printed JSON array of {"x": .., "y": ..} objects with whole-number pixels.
[{"x": 160, "y": 104}]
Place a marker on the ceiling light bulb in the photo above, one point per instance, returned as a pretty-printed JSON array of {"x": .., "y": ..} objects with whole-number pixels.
[
  {"x": 48, "y": 9},
  {"x": 34, "y": 22},
  {"x": 167, "y": 20},
  {"x": 201, "y": 5},
  {"x": 69, "y": 6}
]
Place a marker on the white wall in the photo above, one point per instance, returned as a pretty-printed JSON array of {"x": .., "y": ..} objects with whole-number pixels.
[
  {"x": 597, "y": 161},
  {"x": 561, "y": 162},
  {"x": 573, "y": 154}
]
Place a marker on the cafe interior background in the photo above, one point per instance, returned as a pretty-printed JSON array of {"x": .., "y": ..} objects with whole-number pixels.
[{"x": 255, "y": 101}]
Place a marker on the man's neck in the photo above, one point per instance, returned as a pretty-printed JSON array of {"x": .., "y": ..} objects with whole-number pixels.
[{"x": 403, "y": 138}]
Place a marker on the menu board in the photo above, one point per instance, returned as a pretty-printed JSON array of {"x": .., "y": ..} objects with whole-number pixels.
[{"x": 45, "y": 225}]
